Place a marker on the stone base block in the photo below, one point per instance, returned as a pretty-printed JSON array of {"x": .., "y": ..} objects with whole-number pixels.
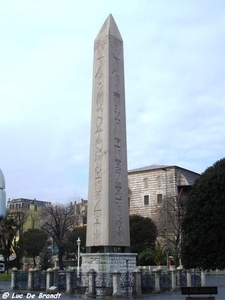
[{"x": 108, "y": 262}]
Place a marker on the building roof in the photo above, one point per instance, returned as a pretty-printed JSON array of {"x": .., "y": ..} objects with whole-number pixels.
[
  {"x": 29, "y": 201},
  {"x": 151, "y": 167},
  {"x": 155, "y": 167},
  {"x": 2, "y": 180}
]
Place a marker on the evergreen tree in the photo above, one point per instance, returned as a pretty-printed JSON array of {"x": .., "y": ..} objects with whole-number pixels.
[
  {"x": 33, "y": 241},
  {"x": 46, "y": 258},
  {"x": 204, "y": 223},
  {"x": 143, "y": 233}
]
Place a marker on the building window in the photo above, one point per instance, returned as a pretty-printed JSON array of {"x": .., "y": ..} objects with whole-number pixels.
[
  {"x": 159, "y": 198},
  {"x": 159, "y": 181},
  {"x": 146, "y": 200},
  {"x": 129, "y": 202},
  {"x": 146, "y": 183}
]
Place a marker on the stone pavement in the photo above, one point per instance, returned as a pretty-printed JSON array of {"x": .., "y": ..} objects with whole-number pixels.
[
  {"x": 214, "y": 280},
  {"x": 4, "y": 286}
]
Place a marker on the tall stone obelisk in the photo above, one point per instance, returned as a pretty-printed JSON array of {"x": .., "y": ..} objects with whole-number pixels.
[{"x": 108, "y": 213}]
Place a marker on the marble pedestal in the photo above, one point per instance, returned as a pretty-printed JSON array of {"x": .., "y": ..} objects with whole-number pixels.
[{"x": 108, "y": 262}]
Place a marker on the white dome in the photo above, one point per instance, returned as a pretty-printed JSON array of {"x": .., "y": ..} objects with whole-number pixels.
[{"x": 2, "y": 180}]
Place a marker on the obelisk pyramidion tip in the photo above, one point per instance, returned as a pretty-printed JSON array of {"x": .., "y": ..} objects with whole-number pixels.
[{"x": 109, "y": 28}]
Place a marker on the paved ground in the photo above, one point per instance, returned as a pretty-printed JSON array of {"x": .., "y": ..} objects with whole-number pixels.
[{"x": 215, "y": 280}]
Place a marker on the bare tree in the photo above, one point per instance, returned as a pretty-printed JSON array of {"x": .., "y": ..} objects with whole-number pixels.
[
  {"x": 171, "y": 212},
  {"x": 20, "y": 217},
  {"x": 58, "y": 220}
]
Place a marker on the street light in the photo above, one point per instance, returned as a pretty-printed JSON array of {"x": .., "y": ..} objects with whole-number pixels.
[
  {"x": 167, "y": 254},
  {"x": 78, "y": 256}
]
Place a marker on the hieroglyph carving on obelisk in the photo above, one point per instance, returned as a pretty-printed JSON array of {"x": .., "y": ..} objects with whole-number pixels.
[{"x": 108, "y": 212}]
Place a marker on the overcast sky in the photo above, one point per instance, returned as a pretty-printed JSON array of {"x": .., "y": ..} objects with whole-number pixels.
[{"x": 175, "y": 87}]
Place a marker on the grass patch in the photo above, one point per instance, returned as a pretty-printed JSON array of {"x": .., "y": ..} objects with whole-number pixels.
[{"x": 5, "y": 276}]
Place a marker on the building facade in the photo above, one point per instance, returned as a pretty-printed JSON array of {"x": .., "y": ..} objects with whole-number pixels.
[
  {"x": 27, "y": 211},
  {"x": 26, "y": 204},
  {"x": 80, "y": 213},
  {"x": 159, "y": 192}
]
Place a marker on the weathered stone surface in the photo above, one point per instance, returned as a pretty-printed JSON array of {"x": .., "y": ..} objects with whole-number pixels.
[
  {"x": 108, "y": 262},
  {"x": 108, "y": 213}
]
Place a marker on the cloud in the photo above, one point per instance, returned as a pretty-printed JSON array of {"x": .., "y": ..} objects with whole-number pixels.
[{"x": 174, "y": 70}]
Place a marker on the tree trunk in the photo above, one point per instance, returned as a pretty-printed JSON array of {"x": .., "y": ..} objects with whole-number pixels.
[
  {"x": 8, "y": 254},
  {"x": 17, "y": 262},
  {"x": 34, "y": 262},
  {"x": 5, "y": 262},
  {"x": 60, "y": 256}
]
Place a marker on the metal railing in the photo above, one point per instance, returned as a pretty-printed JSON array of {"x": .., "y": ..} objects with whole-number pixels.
[{"x": 104, "y": 284}]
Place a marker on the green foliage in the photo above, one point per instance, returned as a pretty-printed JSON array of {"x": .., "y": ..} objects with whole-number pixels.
[
  {"x": 71, "y": 245},
  {"x": 20, "y": 217},
  {"x": 5, "y": 276},
  {"x": 204, "y": 223},
  {"x": 145, "y": 258},
  {"x": 33, "y": 241},
  {"x": 157, "y": 254},
  {"x": 143, "y": 233},
  {"x": 46, "y": 258},
  {"x": 8, "y": 229}
]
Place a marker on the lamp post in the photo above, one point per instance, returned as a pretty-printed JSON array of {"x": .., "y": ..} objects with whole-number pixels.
[
  {"x": 78, "y": 256},
  {"x": 167, "y": 254}
]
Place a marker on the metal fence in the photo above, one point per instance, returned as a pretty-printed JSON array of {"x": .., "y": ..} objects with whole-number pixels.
[
  {"x": 40, "y": 281},
  {"x": 181, "y": 278},
  {"x": 126, "y": 283},
  {"x": 147, "y": 282},
  {"x": 103, "y": 284},
  {"x": 165, "y": 282},
  {"x": 195, "y": 277},
  {"x": 80, "y": 283},
  {"x": 22, "y": 280},
  {"x": 150, "y": 281}
]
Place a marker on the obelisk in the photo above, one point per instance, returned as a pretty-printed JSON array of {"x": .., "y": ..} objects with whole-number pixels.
[{"x": 108, "y": 212}]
